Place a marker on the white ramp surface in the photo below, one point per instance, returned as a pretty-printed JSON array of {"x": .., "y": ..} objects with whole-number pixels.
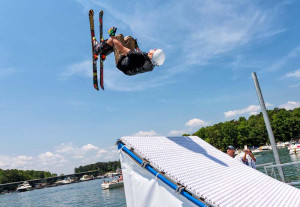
[{"x": 211, "y": 174}]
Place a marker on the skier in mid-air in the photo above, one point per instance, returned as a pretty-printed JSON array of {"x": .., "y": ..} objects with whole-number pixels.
[{"x": 129, "y": 58}]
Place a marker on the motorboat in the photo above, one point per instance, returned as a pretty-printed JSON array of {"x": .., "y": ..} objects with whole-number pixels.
[
  {"x": 256, "y": 150},
  {"x": 280, "y": 145},
  {"x": 24, "y": 187},
  {"x": 58, "y": 182},
  {"x": 67, "y": 180},
  {"x": 294, "y": 148},
  {"x": 113, "y": 184},
  {"x": 85, "y": 178}
]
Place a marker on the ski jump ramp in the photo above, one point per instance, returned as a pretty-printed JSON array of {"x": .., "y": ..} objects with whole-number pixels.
[{"x": 187, "y": 171}]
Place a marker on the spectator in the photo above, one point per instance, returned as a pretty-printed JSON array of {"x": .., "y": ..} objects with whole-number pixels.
[
  {"x": 231, "y": 151},
  {"x": 248, "y": 158},
  {"x": 121, "y": 177}
]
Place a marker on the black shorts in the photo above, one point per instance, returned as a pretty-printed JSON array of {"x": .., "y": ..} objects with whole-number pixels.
[
  {"x": 123, "y": 63},
  {"x": 135, "y": 63}
]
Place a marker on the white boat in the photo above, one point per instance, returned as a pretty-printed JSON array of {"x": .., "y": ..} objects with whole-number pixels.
[
  {"x": 67, "y": 180},
  {"x": 280, "y": 144},
  {"x": 24, "y": 187},
  {"x": 112, "y": 185},
  {"x": 294, "y": 148},
  {"x": 58, "y": 182},
  {"x": 85, "y": 178},
  {"x": 256, "y": 150}
]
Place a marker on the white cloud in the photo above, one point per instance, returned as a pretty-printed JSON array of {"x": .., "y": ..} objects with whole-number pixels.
[
  {"x": 294, "y": 74},
  {"x": 81, "y": 69},
  {"x": 146, "y": 133},
  {"x": 102, "y": 152},
  {"x": 66, "y": 148},
  {"x": 23, "y": 157},
  {"x": 89, "y": 147},
  {"x": 49, "y": 158},
  {"x": 64, "y": 159},
  {"x": 176, "y": 132},
  {"x": 252, "y": 110},
  {"x": 253, "y": 113},
  {"x": 196, "y": 123},
  {"x": 290, "y": 105}
]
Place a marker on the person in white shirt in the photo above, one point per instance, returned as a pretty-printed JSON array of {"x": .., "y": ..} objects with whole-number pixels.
[{"x": 247, "y": 158}]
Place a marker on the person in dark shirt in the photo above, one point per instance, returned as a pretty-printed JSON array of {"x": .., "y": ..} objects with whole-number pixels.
[{"x": 129, "y": 58}]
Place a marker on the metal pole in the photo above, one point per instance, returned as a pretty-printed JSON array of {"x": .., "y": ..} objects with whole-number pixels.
[{"x": 268, "y": 125}]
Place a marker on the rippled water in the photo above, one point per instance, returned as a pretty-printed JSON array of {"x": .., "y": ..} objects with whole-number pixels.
[
  {"x": 291, "y": 172},
  {"x": 83, "y": 194}
]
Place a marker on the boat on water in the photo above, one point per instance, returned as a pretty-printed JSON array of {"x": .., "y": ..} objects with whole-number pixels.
[
  {"x": 67, "y": 180},
  {"x": 113, "y": 184},
  {"x": 281, "y": 144},
  {"x": 256, "y": 150},
  {"x": 294, "y": 148},
  {"x": 85, "y": 178},
  {"x": 24, "y": 187},
  {"x": 58, "y": 182}
]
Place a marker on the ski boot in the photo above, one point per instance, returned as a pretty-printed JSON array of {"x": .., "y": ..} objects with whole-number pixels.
[
  {"x": 135, "y": 43},
  {"x": 112, "y": 31},
  {"x": 136, "y": 46},
  {"x": 102, "y": 48}
]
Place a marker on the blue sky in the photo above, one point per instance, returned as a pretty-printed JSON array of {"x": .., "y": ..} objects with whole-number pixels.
[{"x": 51, "y": 118}]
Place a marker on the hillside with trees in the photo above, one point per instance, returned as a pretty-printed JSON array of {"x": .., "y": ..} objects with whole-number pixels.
[
  {"x": 14, "y": 175},
  {"x": 101, "y": 167},
  {"x": 252, "y": 131}
]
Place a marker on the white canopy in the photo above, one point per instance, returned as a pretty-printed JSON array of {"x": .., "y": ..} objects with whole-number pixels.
[{"x": 205, "y": 172}]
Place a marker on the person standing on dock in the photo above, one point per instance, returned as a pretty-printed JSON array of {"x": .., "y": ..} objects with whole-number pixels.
[
  {"x": 248, "y": 158},
  {"x": 231, "y": 151}
]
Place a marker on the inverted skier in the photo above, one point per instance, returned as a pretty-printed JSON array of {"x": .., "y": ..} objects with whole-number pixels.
[{"x": 129, "y": 58}]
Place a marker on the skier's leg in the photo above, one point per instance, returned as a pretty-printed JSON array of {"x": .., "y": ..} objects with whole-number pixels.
[
  {"x": 119, "y": 46},
  {"x": 130, "y": 43}
]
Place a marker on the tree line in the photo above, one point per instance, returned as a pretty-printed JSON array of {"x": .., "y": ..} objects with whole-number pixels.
[
  {"x": 101, "y": 167},
  {"x": 14, "y": 175},
  {"x": 252, "y": 131}
]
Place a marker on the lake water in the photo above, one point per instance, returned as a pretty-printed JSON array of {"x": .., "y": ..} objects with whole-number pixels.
[
  {"x": 291, "y": 172},
  {"x": 83, "y": 194},
  {"x": 90, "y": 193}
]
